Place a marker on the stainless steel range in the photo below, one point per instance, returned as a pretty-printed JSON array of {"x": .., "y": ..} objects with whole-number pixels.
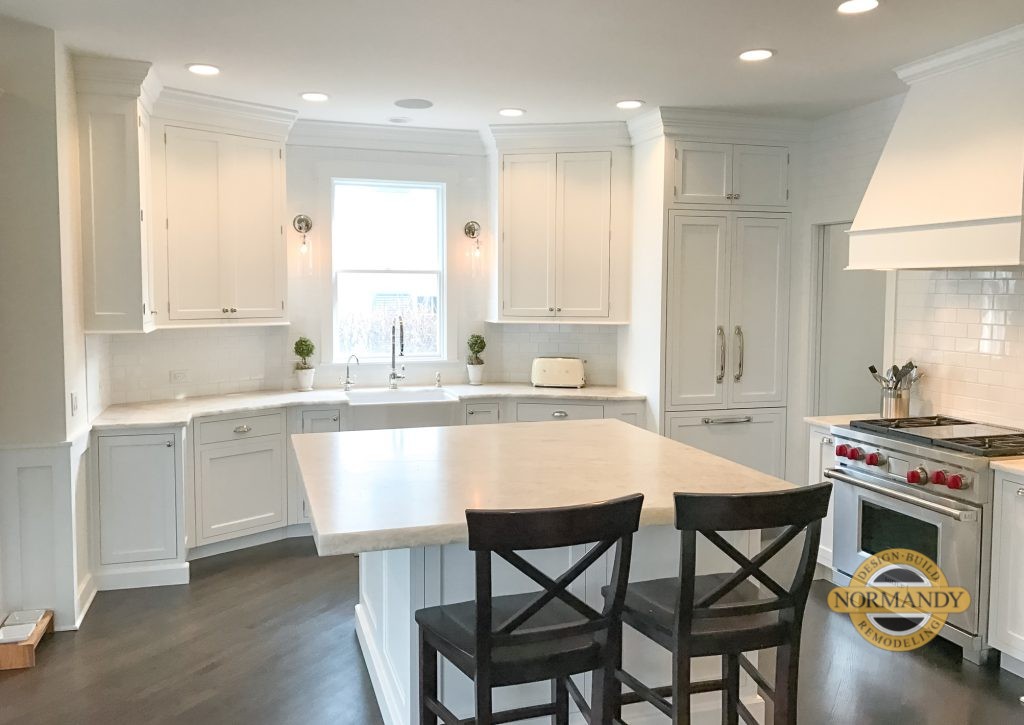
[{"x": 922, "y": 484}]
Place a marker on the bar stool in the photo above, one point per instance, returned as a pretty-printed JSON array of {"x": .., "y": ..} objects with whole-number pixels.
[
  {"x": 547, "y": 635},
  {"x": 724, "y": 614}
]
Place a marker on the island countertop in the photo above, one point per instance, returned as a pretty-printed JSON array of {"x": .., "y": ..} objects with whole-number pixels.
[{"x": 397, "y": 489}]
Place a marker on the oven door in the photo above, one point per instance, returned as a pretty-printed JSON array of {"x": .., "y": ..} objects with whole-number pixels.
[{"x": 872, "y": 515}]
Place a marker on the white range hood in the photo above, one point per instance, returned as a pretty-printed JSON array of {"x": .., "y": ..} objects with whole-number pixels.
[{"x": 948, "y": 190}]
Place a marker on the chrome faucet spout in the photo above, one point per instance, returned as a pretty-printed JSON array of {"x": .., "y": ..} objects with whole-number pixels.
[
  {"x": 349, "y": 382},
  {"x": 394, "y": 376}
]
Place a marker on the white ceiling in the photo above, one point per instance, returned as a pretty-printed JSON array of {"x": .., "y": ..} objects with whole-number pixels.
[{"x": 562, "y": 60}]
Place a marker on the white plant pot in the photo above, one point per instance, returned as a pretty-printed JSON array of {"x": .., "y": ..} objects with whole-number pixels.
[
  {"x": 305, "y": 379},
  {"x": 476, "y": 374}
]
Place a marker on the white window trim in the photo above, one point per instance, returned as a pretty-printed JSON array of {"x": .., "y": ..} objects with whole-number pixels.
[{"x": 444, "y": 304}]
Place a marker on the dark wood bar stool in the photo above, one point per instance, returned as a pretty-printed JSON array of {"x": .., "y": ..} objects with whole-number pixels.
[
  {"x": 725, "y": 614},
  {"x": 546, "y": 635}
]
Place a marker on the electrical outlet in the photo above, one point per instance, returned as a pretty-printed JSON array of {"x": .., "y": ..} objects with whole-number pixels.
[
  {"x": 179, "y": 376},
  {"x": 74, "y": 404}
]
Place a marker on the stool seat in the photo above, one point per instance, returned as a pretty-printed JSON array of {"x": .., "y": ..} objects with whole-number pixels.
[{"x": 557, "y": 655}]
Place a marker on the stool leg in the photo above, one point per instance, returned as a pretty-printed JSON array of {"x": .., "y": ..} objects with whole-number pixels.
[
  {"x": 428, "y": 680},
  {"x": 606, "y": 689},
  {"x": 484, "y": 706},
  {"x": 787, "y": 666},
  {"x": 731, "y": 689},
  {"x": 560, "y": 698},
  {"x": 680, "y": 687}
]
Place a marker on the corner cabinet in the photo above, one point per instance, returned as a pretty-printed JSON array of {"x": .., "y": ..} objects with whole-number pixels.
[
  {"x": 1006, "y": 604},
  {"x": 224, "y": 226},
  {"x": 730, "y": 174},
  {"x": 727, "y": 310}
]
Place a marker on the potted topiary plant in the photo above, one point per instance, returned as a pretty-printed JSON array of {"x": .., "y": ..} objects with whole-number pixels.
[
  {"x": 475, "y": 363},
  {"x": 304, "y": 371}
]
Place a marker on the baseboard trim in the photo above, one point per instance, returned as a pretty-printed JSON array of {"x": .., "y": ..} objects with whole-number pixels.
[
  {"x": 137, "y": 576},
  {"x": 83, "y": 600},
  {"x": 383, "y": 688},
  {"x": 291, "y": 531},
  {"x": 1011, "y": 664}
]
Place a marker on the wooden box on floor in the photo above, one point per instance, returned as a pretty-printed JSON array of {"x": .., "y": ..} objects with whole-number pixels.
[{"x": 19, "y": 655}]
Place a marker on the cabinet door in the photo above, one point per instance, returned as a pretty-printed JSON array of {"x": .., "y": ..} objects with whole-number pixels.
[
  {"x": 195, "y": 273},
  {"x": 703, "y": 172},
  {"x": 241, "y": 487},
  {"x": 481, "y": 413},
  {"x": 528, "y": 235},
  {"x": 1006, "y": 619},
  {"x": 582, "y": 239},
  {"x": 146, "y": 190},
  {"x": 252, "y": 236},
  {"x": 760, "y": 175},
  {"x": 754, "y": 438},
  {"x": 697, "y": 314},
  {"x": 137, "y": 498},
  {"x": 821, "y": 455},
  {"x": 759, "y": 310},
  {"x": 316, "y": 421}
]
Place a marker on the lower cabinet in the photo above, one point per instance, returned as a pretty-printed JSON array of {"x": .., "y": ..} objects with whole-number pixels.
[
  {"x": 820, "y": 456},
  {"x": 753, "y": 437},
  {"x": 1006, "y": 607},
  {"x": 240, "y": 483},
  {"x": 535, "y": 412},
  {"x": 326, "y": 420},
  {"x": 482, "y": 413},
  {"x": 138, "y": 498}
]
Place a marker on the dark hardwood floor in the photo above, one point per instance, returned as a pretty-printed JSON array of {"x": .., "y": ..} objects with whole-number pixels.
[{"x": 267, "y": 635}]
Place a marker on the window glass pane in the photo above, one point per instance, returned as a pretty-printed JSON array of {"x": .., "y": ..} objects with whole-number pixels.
[
  {"x": 368, "y": 303},
  {"x": 386, "y": 226}
]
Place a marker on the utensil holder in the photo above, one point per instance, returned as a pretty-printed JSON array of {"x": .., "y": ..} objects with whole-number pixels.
[{"x": 895, "y": 403}]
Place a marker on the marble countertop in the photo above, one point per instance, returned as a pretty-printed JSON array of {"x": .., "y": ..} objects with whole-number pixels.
[
  {"x": 1009, "y": 465},
  {"x": 827, "y": 420},
  {"x": 172, "y": 413},
  {"x": 397, "y": 489}
]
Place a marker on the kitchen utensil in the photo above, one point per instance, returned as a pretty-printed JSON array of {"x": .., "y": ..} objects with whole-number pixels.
[
  {"x": 895, "y": 403},
  {"x": 874, "y": 373}
]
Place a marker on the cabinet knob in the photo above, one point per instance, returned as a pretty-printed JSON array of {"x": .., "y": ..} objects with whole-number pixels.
[
  {"x": 551, "y": 309},
  {"x": 735, "y": 196},
  {"x": 470, "y": 412},
  {"x": 558, "y": 309},
  {"x": 334, "y": 419},
  {"x": 224, "y": 310},
  {"x": 169, "y": 444},
  {"x": 1020, "y": 491},
  {"x": 234, "y": 309}
]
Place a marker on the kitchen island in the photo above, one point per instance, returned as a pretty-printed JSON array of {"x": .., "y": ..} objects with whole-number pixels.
[{"x": 398, "y": 498}]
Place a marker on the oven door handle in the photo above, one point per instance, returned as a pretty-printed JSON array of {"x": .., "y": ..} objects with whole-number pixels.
[{"x": 952, "y": 513}]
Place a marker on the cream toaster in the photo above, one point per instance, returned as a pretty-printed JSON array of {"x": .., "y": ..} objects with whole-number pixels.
[{"x": 558, "y": 372}]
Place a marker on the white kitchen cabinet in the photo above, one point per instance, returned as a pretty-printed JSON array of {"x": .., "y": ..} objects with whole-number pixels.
[
  {"x": 224, "y": 226},
  {"x": 114, "y": 161},
  {"x": 821, "y": 456},
  {"x": 1006, "y": 604},
  {"x": 754, "y": 437},
  {"x": 240, "y": 484},
  {"x": 727, "y": 310},
  {"x": 537, "y": 412},
  {"x": 482, "y": 413},
  {"x": 556, "y": 234},
  {"x": 730, "y": 174},
  {"x": 138, "y": 498},
  {"x": 324, "y": 420}
]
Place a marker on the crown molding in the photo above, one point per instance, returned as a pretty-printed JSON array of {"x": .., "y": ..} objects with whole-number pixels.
[
  {"x": 647, "y": 126},
  {"x": 730, "y": 126},
  {"x": 116, "y": 77},
  {"x": 552, "y": 136},
  {"x": 374, "y": 137},
  {"x": 262, "y": 121},
  {"x": 993, "y": 46}
]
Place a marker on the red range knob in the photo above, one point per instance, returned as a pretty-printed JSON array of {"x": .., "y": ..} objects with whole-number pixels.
[
  {"x": 939, "y": 477},
  {"x": 917, "y": 475},
  {"x": 855, "y": 454},
  {"x": 841, "y": 450},
  {"x": 875, "y": 459},
  {"x": 957, "y": 481}
]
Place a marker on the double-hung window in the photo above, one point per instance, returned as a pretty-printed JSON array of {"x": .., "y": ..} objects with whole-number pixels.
[{"x": 388, "y": 258}]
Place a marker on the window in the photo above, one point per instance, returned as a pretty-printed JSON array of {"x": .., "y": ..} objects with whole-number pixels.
[{"x": 388, "y": 252}]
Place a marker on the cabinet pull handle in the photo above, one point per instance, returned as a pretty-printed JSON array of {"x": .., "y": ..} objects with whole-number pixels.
[
  {"x": 242, "y": 428},
  {"x": 559, "y": 414},
  {"x": 739, "y": 363},
  {"x": 721, "y": 354},
  {"x": 827, "y": 441},
  {"x": 723, "y": 421},
  {"x": 470, "y": 412}
]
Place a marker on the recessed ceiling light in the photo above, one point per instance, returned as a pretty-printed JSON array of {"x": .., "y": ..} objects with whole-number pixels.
[
  {"x": 419, "y": 103},
  {"x": 315, "y": 97},
  {"x": 756, "y": 54},
  {"x": 399, "y": 119},
  {"x": 629, "y": 105},
  {"x": 203, "y": 69},
  {"x": 511, "y": 112},
  {"x": 853, "y": 7}
]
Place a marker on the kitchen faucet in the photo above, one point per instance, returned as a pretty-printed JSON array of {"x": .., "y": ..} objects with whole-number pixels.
[
  {"x": 394, "y": 376},
  {"x": 349, "y": 382}
]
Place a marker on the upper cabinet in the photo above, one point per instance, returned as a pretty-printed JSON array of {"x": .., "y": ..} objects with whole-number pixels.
[
  {"x": 114, "y": 102},
  {"x": 730, "y": 174},
  {"x": 224, "y": 226},
  {"x": 562, "y": 226}
]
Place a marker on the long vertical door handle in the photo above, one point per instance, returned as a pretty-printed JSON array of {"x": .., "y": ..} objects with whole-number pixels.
[
  {"x": 738, "y": 331},
  {"x": 721, "y": 355}
]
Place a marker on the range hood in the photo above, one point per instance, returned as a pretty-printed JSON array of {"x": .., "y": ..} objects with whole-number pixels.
[{"x": 948, "y": 190}]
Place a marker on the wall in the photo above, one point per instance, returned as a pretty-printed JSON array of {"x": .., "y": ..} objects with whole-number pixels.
[{"x": 512, "y": 348}]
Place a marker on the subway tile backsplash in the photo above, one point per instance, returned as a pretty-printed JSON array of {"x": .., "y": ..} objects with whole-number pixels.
[
  {"x": 965, "y": 328},
  {"x": 512, "y": 348}
]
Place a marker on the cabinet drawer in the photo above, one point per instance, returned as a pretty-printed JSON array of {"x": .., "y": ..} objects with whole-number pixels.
[
  {"x": 534, "y": 412},
  {"x": 480, "y": 413},
  {"x": 253, "y": 426}
]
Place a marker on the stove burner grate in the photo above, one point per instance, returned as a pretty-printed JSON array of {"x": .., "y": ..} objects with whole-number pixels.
[{"x": 1010, "y": 444}]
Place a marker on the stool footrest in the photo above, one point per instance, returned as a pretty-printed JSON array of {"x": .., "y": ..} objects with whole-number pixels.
[{"x": 756, "y": 676}]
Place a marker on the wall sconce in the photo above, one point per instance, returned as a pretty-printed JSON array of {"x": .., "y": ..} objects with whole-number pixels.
[
  {"x": 302, "y": 224},
  {"x": 472, "y": 230}
]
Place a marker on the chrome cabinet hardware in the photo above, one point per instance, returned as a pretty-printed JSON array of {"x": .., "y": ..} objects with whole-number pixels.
[
  {"x": 470, "y": 412},
  {"x": 234, "y": 309},
  {"x": 1020, "y": 491},
  {"x": 558, "y": 309},
  {"x": 334, "y": 419},
  {"x": 224, "y": 310},
  {"x": 827, "y": 441},
  {"x": 739, "y": 350},
  {"x": 731, "y": 419},
  {"x": 721, "y": 354},
  {"x": 170, "y": 444},
  {"x": 242, "y": 428},
  {"x": 551, "y": 309},
  {"x": 559, "y": 414},
  {"x": 736, "y": 196},
  {"x": 949, "y": 511}
]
